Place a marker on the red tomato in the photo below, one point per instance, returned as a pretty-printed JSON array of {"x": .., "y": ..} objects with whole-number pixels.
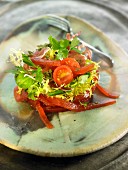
[
  {"x": 71, "y": 62},
  {"x": 62, "y": 75},
  {"x": 20, "y": 97}
]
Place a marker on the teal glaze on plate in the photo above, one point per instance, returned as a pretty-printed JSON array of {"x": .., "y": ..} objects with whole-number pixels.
[{"x": 73, "y": 133}]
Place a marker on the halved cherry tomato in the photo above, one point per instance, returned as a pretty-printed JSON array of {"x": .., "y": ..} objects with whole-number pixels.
[
  {"x": 84, "y": 69},
  {"x": 43, "y": 116},
  {"x": 62, "y": 75},
  {"x": 71, "y": 62},
  {"x": 20, "y": 97},
  {"x": 106, "y": 93}
]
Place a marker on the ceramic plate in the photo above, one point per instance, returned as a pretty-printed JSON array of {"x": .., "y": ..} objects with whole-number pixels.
[{"x": 73, "y": 133}]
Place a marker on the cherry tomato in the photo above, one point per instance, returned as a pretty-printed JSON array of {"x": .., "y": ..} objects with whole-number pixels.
[
  {"x": 20, "y": 97},
  {"x": 62, "y": 75},
  {"x": 71, "y": 62}
]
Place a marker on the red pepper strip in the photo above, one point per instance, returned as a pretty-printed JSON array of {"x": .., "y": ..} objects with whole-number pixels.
[
  {"x": 106, "y": 93},
  {"x": 84, "y": 69},
  {"x": 45, "y": 101},
  {"x": 54, "y": 109},
  {"x": 62, "y": 103},
  {"x": 43, "y": 116},
  {"x": 91, "y": 106},
  {"x": 44, "y": 62}
]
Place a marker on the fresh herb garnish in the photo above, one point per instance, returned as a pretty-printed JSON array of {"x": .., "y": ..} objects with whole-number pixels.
[
  {"x": 56, "y": 92},
  {"x": 74, "y": 43},
  {"x": 26, "y": 60},
  {"x": 38, "y": 74},
  {"x": 24, "y": 80},
  {"x": 63, "y": 47}
]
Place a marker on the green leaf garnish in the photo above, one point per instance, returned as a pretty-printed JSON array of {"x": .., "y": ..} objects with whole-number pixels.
[
  {"x": 16, "y": 70},
  {"x": 27, "y": 60},
  {"x": 39, "y": 75},
  {"x": 62, "y": 47},
  {"x": 76, "y": 49},
  {"x": 74, "y": 43},
  {"x": 64, "y": 43},
  {"x": 62, "y": 53},
  {"x": 55, "y": 45},
  {"x": 32, "y": 90},
  {"x": 24, "y": 80},
  {"x": 56, "y": 92}
]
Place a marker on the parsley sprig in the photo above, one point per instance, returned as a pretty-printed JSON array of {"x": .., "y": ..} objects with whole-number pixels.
[{"x": 63, "y": 47}]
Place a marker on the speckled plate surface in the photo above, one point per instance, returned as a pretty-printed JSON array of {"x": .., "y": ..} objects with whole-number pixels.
[{"x": 74, "y": 133}]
